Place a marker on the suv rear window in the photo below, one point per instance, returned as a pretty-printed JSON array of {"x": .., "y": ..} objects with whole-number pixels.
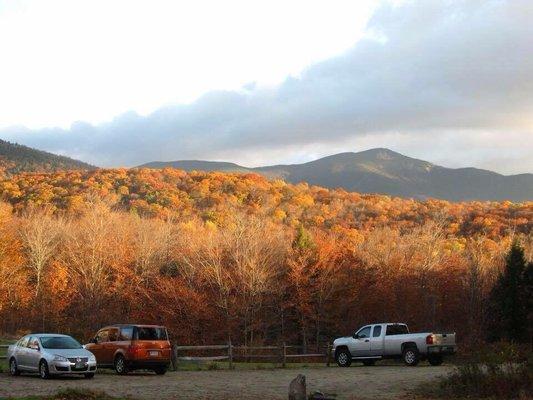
[
  {"x": 396, "y": 330},
  {"x": 149, "y": 333}
]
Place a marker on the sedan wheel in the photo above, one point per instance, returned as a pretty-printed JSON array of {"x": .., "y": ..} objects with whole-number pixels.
[
  {"x": 13, "y": 369},
  {"x": 43, "y": 370}
]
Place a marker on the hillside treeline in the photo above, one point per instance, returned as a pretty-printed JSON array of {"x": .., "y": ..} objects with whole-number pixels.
[
  {"x": 216, "y": 256},
  {"x": 16, "y": 158}
]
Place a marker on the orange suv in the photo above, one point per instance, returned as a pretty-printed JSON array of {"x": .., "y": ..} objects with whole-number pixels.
[{"x": 129, "y": 347}]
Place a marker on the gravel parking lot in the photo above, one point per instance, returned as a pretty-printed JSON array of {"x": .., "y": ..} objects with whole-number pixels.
[{"x": 357, "y": 382}]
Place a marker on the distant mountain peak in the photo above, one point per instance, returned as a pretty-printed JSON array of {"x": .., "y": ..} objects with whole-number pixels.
[{"x": 381, "y": 170}]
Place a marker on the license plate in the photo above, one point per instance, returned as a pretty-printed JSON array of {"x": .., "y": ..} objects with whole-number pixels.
[
  {"x": 79, "y": 366},
  {"x": 153, "y": 353}
]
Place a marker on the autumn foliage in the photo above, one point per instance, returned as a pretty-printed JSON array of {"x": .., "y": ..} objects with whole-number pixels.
[{"x": 216, "y": 256}]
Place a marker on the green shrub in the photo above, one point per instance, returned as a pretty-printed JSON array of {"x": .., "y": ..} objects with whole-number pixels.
[
  {"x": 212, "y": 366},
  {"x": 508, "y": 381},
  {"x": 499, "y": 371}
]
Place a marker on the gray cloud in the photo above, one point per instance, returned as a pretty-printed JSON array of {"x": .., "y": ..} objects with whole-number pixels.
[{"x": 451, "y": 73}]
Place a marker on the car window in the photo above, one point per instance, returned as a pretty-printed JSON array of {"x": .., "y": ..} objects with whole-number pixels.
[
  {"x": 396, "y": 329},
  {"x": 112, "y": 335},
  {"x": 126, "y": 333},
  {"x": 377, "y": 331},
  {"x": 23, "y": 342},
  {"x": 33, "y": 343},
  {"x": 364, "y": 332},
  {"x": 150, "y": 333},
  {"x": 102, "y": 336},
  {"x": 60, "y": 342}
]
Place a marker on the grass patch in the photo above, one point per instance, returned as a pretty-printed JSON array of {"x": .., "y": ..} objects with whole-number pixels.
[
  {"x": 507, "y": 381},
  {"x": 224, "y": 365},
  {"x": 3, "y": 352},
  {"x": 72, "y": 394},
  {"x": 500, "y": 371}
]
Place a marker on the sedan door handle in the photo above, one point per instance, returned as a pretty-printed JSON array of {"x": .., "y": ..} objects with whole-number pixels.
[{"x": 367, "y": 340}]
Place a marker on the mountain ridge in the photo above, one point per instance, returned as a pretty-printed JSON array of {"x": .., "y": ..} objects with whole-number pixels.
[
  {"x": 383, "y": 171},
  {"x": 16, "y": 158}
]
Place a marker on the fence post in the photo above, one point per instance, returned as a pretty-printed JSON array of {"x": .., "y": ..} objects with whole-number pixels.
[
  {"x": 230, "y": 354},
  {"x": 328, "y": 355},
  {"x": 174, "y": 357},
  {"x": 284, "y": 361}
]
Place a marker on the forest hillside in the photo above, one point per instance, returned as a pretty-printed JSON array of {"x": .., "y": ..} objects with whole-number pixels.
[
  {"x": 216, "y": 255},
  {"x": 16, "y": 158}
]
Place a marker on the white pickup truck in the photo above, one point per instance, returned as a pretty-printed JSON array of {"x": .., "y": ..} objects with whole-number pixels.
[{"x": 393, "y": 340}]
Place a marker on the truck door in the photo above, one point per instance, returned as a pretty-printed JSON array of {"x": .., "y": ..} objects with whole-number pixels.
[
  {"x": 361, "y": 343},
  {"x": 376, "y": 341}
]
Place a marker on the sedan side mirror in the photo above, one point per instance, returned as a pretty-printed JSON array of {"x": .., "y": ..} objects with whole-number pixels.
[{"x": 94, "y": 340}]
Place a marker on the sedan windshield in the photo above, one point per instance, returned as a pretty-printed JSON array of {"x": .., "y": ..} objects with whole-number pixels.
[{"x": 60, "y": 342}]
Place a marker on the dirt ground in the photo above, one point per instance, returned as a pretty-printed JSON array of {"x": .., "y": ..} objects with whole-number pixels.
[{"x": 357, "y": 382}]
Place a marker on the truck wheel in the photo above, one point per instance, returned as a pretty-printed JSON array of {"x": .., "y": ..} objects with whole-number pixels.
[
  {"x": 343, "y": 358},
  {"x": 368, "y": 363},
  {"x": 410, "y": 356},
  {"x": 435, "y": 360}
]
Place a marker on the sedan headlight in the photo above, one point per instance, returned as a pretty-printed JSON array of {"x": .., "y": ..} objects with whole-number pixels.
[
  {"x": 92, "y": 358},
  {"x": 57, "y": 357}
]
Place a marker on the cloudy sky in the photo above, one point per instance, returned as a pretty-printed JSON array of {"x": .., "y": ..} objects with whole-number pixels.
[{"x": 120, "y": 83}]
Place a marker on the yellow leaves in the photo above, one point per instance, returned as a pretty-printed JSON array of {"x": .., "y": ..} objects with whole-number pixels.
[
  {"x": 5, "y": 212},
  {"x": 303, "y": 200},
  {"x": 178, "y": 194},
  {"x": 210, "y": 225}
]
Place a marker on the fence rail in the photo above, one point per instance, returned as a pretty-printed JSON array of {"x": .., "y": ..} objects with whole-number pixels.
[
  {"x": 3, "y": 346},
  {"x": 279, "y": 354}
]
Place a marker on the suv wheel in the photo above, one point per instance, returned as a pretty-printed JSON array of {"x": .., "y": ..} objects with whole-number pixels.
[
  {"x": 44, "y": 372},
  {"x": 13, "y": 369},
  {"x": 410, "y": 356},
  {"x": 343, "y": 358},
  {"x": 120, "y": 365}
]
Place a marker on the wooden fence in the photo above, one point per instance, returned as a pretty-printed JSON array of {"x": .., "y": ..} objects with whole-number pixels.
[
  {"x": 3, "y": 355},
  {"x": 276, "y": 354}
]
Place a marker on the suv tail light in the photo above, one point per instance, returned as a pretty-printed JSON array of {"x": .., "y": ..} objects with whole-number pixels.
[
  {"x": 430, "y": 339},
  {"x": 133, "y": 350}
]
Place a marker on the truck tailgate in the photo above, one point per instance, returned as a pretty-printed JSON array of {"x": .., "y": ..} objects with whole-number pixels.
[{"x": 444, "y": 339}]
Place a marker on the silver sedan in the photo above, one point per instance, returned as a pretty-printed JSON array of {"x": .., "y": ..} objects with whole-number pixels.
[{"x": 50, "y": 354}]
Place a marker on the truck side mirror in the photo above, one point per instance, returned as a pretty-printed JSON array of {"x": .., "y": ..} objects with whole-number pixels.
[{"x": 355, "y": 336}]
